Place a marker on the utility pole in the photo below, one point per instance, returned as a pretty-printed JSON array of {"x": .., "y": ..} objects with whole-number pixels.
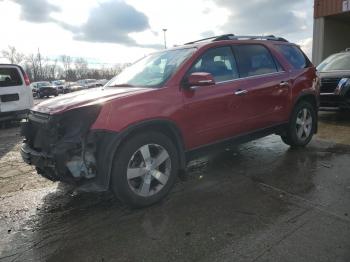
[
  {"x": 41, "y": 70},
  {"x": 164, "y": 31}
]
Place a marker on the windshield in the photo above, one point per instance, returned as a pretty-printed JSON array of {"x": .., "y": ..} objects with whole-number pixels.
[
  {"x": 335, "y": 62},
  {"x": 152, "y": 70}
]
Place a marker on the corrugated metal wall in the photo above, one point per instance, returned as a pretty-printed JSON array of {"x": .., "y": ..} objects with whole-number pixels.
[{"x": 327, "y": 7}]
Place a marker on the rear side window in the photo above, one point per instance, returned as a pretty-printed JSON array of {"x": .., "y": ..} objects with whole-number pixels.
[
  {"x": 9, "y": 77},
  {"x": 294, "y": 56},
  {"x": 254, "y": 60},
  {"x": 219, "y": 62}
]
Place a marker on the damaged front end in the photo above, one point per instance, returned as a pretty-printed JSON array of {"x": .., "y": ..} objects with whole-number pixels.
[{"x": 62, "y": 147}]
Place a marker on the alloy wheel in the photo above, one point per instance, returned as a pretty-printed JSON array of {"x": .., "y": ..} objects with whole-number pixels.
[
  {"x": 148, "y": 170},
  {"x": 304, "y": 124}
]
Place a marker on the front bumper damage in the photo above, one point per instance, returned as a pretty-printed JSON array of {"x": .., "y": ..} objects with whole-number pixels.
[{"x": 63, "y": 148}]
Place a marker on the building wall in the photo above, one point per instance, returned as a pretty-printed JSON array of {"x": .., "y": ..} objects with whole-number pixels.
[
  {"x": 327, "y": 7},
  {"x": 331, "y": 35},
  {"x": 318, "y": 41},
  {"x": 336, "y": 36}
]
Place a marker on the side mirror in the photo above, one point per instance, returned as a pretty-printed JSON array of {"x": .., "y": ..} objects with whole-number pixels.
[{"x": 198, "y": 79}]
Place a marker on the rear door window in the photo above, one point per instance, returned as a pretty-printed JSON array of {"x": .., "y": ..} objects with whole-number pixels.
[
  {"x": 254, "y": 60},
  {"x": 294, "y": 56},
  {"x": 9, "y": 77}
]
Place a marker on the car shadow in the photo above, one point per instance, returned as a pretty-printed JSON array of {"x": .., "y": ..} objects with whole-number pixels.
[
  {"x": 10, "y": 137},
  {"x": 335, "y": 117}
]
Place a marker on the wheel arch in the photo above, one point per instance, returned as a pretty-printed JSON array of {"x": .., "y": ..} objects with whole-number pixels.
[
  {"x": 167, "y": 127},
  {"x": 110, "y": 142}
]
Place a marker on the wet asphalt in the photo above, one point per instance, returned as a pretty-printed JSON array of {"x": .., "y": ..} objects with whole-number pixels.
[{"x": 260, "y": 201}]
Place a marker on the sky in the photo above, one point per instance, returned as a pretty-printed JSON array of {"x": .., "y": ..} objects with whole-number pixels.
[{"x": 108, "y": 32}]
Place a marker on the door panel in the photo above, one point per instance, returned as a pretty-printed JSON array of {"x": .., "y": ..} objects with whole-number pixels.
[
  {"x": 266, "y": 101},
  {"x": 266, "y": 85},
  {"x": 213, "y": 113}
]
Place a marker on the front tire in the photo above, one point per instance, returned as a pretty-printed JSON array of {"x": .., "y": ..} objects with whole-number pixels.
[
  {"x": 302, "y": 125},
  {"x": 144, "y": 169}
]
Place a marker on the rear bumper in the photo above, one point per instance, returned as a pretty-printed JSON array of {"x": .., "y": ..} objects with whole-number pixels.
[
  {"x": 14, "y": 115},
  {"x": 47, "y": 93}
]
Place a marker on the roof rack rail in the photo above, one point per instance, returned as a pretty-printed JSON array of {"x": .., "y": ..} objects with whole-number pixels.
[
  {"x": 214, "y": 38},
  {"x": 239, "y": 37},
  {"x": 261, "y": 37}
]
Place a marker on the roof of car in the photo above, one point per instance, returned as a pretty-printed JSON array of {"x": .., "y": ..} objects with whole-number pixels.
[
  {"x": 222, "y": 39},
  {"x": 37, "y": 82},
  {"x": 347, "y": 51},
  {"x": 239, "y": 37},
  {"x": 12, "y": 65},
  {"x": 9, "y": 65}
]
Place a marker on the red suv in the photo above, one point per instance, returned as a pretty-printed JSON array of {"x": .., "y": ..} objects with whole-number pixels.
[{"x": 135, "y": 134}]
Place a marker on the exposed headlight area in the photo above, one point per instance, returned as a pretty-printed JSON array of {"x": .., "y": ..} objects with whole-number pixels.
[{"x": 61, "y": 146}]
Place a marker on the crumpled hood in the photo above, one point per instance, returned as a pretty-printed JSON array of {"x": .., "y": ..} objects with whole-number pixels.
[{"x": 82, "y": 98}]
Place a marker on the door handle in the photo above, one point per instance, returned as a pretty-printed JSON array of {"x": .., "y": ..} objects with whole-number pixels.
[
  {"x": 240, "y": 92},
  {"x": 284, "y": 83}
]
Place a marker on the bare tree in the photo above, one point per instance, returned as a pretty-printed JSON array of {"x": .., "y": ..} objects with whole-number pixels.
[
  {"x": 66, "y": 61},
  {"x": 81, "y": 67},
  {"x": 32, "y": 67},
  {"x": 40, "y": 63},
  {"x": 39, "y": 67},
  {"x": 13, "y": 55},
  {"x": 53, "y": 70}
]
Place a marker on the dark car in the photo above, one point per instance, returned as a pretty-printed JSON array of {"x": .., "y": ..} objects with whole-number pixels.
[
  {"x": 60, "y": 85},
  {"x": 44, "y": 89},
  {"x": 334, "y": 73},
  {"x": 135, "y": 134}
]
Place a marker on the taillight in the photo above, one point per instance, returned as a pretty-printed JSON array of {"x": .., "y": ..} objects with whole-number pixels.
[{"x": 26, "y": 79}]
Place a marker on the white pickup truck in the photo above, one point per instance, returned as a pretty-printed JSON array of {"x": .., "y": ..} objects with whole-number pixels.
[{"x": 15, "y": 93}]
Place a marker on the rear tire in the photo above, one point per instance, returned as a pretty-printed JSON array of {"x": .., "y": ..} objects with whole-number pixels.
[
  {"x": 144, "y": 169},
  {"x": 302, "y": 125}
]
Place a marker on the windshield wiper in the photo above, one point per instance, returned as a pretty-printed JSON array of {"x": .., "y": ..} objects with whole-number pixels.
[{"x": 121, "y": 85}]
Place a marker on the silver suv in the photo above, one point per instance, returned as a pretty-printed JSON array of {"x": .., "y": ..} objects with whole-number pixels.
[{"x": 334, "y": 73}]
